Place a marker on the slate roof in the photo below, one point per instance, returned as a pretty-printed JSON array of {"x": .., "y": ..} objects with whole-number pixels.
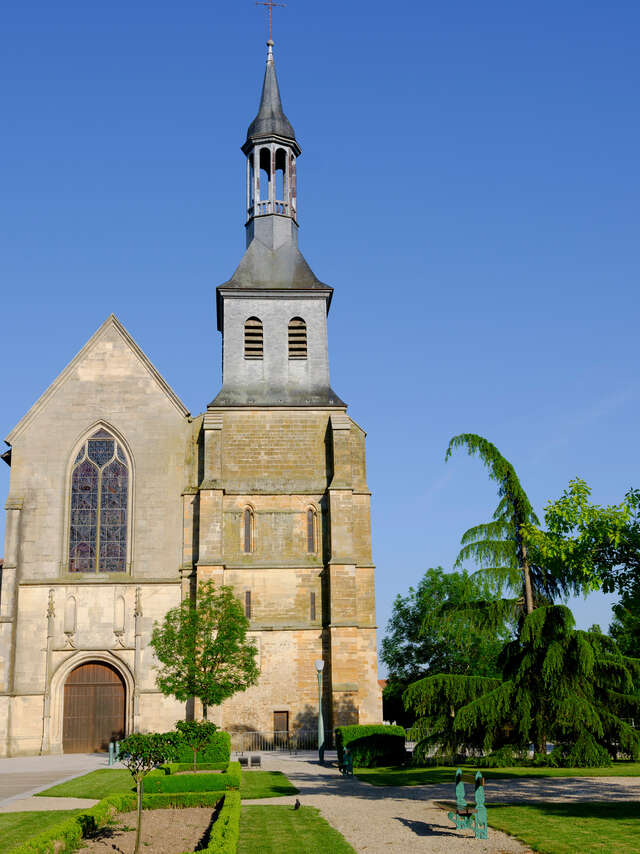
[{"x": 271, "y": 120}]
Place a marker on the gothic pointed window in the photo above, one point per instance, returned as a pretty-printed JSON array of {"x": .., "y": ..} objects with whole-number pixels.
[
  {"x": 99, "y": 506},
  {"x": 311, "y": 531},
  {"x": 247, "y": 530},
  {"x": 297, "y": 338},
  {"x": 253, "y": 338}
]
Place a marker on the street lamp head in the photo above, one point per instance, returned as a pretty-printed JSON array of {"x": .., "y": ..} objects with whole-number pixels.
[{"x": 319, "y": 663}]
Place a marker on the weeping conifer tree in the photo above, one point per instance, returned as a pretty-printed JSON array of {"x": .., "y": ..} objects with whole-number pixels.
[
  {"x": 499, "y": 547},
  {"x": 571, "y": 686}
]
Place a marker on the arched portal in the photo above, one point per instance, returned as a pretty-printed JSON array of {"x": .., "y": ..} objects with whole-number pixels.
[{"x": 94, "y": 708}]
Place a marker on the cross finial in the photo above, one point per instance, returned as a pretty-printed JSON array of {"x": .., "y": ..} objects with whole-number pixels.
[{"x": 270, "y": 4}]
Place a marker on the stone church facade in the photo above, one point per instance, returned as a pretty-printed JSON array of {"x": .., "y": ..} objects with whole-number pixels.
[{"x": 121, "y": 501}]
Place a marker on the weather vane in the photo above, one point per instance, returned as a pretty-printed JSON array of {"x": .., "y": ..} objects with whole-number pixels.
[{"x": 270, "y": 4}]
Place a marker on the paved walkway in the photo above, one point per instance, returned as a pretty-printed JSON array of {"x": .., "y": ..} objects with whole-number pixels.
[
  {"x": 382, "y": 820},
  {"x": 23, "y": 776}
]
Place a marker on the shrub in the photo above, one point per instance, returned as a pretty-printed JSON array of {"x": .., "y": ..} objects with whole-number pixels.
[
  {"x": 195, "y": 782},
  {"x": 178, "y": 767},
  {"x": 218, "y": 750},
  {"x": 371, "y": 745},
  {"x": 585, "y": 753}
]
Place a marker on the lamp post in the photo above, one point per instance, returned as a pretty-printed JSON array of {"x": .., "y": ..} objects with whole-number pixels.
[{"x": 319, "y": 667}]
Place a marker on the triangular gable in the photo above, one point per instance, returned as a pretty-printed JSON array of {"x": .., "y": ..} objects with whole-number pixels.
[{"x": 111, "y": 322}]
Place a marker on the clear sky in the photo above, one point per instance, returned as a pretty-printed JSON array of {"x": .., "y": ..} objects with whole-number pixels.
[{"x": 469, "y": 185}]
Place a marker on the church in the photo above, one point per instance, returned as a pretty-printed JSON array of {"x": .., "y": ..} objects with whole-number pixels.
[{"x": 121, "y": 502}]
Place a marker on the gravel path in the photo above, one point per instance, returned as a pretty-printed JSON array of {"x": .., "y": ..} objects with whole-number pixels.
[{"x": 383, "y": 820}]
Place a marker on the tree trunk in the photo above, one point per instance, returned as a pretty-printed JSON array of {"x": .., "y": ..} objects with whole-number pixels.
[
  {"x": 136, "y": 850},
  {"x": 528, "y": 591}
]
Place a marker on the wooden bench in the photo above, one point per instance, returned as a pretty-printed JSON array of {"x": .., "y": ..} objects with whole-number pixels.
[{"x": 465, "y": 815}]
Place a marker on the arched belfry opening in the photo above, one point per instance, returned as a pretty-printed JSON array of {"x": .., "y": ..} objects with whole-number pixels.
[
  {"x": 94, "y": 710},
  {"x": 271, "y": 149}
]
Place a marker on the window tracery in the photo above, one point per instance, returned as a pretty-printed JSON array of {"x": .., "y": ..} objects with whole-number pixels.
[{"x": 99, "y": 501}]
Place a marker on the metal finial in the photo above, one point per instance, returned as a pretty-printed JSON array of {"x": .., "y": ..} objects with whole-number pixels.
[{"x": 270, "y": 4}]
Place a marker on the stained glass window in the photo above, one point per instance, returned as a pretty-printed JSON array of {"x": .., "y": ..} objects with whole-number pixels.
[{"x": 99, "y": 496}]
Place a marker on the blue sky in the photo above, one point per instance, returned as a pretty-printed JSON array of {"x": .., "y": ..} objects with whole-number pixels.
[{"x": 469, "y": 185}]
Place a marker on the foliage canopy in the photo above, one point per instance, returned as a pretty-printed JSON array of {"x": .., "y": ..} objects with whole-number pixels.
[{"x": 203, "y": 649}]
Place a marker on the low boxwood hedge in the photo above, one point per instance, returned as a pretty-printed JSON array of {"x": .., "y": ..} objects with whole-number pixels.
[
  {"x": 178, "y": 767},
  {"x": 226, "y": 829},
  {"x": 195, "y": 782},
  {"x": 218, "y": 750},
  {"x": 66, "y": 837},
  {"x": 371, "y": 744}
]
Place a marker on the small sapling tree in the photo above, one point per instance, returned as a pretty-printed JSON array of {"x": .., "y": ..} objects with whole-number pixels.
[
  {"x": 141, "y": 753},
  {"x": 197, "y": 734},
  {"x": 203, "y": 649}
]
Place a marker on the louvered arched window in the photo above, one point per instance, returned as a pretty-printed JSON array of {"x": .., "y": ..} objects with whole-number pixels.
[
  {"x": 297, "y": 338},
  {"x": 253, "y": 338},
  {"x": 99, "y": 501}
]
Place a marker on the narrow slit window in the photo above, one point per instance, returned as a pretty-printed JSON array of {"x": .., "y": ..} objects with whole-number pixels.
[
  {"x": 297, "y": 338},
  {"x": 247, "y": 543},
  {"x": 312, "y": 606},
  {"x": 253, "y": 339},
  {"x": 247, "y": 604},
  {"x": 311, "y": 531}
]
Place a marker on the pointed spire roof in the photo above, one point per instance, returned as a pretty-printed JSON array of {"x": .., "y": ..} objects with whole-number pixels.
[{"x": 271, "y": 120}]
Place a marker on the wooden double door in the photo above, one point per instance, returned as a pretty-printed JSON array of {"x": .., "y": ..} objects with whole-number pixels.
[{"x": 94, "y": 708}]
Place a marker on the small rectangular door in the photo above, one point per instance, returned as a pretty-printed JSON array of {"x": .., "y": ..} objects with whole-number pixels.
[{"x": 280, "y": 728}]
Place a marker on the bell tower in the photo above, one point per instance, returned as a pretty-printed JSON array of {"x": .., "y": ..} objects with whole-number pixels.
[{"x": 282, "y": 509}]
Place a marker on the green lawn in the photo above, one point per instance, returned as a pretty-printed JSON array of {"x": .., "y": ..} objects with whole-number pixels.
[
  {"x": 16, "y": 827},
  {"x": 403, "y": 776},
  {"x": 567, "y": 828},
  {"x": 265, "y": 784},
  {"x": 109, "y": 781},
  {"x": 96, "y": 784},
  {"x": 283, "y": 830}
]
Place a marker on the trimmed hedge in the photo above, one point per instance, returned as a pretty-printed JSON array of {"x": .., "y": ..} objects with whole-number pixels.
[
  {"x": 66, "y": 837},
  {"x": 226, "y": 828},
  {"x": 371, "y": 745},
  {"x": 195, "y": 782},
  {"x": 218, "y": 750},
  {"x": 177, "y": 767}
]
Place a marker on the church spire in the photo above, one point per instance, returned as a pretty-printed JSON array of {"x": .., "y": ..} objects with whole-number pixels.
[
  {"x": 271, "y": 149},
  {"x": 271, "y": 120}
]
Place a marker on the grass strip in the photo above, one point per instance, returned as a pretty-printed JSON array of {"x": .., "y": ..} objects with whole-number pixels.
[
  {"x": 15, "y": 827},
  {"x": 405, "y": 776},
  {"x": 552, "y": 828},
  {"x": 266, "y": 784},
  {"x": 283, "y": 830}
]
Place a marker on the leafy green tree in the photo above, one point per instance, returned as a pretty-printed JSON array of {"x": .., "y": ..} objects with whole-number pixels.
[
  {"x": 141, "y": 753},
  {"x": 625, "y": 628},
  {"x": 421, "y": 638},
  {"x": 500, "y": 547},
  {"x": 556, "y": 683},
  {"x": 203, "y": 649},
  {"x": 197, "y": 735},
  {"x": 598, "y": 547}
]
